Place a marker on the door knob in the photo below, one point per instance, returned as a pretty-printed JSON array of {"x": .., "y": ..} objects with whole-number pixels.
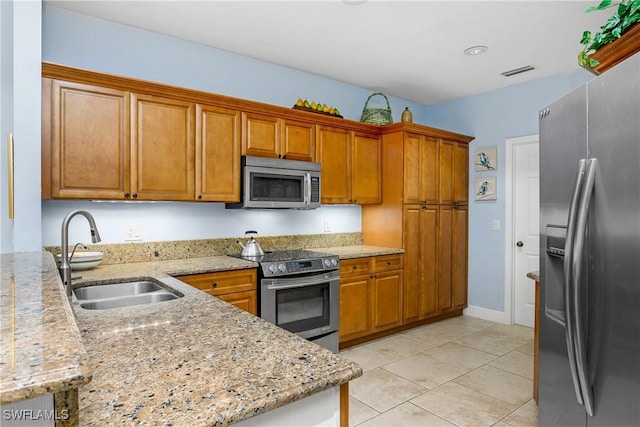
[{"x": 519, "y": 244}]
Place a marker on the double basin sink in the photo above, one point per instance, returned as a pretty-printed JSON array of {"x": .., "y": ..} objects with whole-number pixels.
[{"x": 125, "y": 294}]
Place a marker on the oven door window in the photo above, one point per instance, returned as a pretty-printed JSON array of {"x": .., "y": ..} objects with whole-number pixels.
[
  {"x": 303, "y": 309},
  {"x": 276, "y": 188}
]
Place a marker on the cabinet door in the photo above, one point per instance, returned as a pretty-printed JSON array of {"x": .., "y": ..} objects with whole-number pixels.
[
  {"x": 162, "y": 152},
  {"x": 90, "y": 142},
  {"x": 260, "y": 135},
  {"x": 247, "y": 301},
  {"x": 387, "y": 300},
  {"x": 446, "y": 171},
  {"x": 460, "y": 237},
  {"x": 334, "y": 155},
  {"x": 445, "y": 258},
  {"x": 355, "y": 307},
  {"x": 412, "y": 173},
  {"x": 298, "y": 141},
  {"x": 428, "y": 261},
  {"x": 366, "y": 169},
  {"x": 412, "y": 273},
  {"x": 217, "y": 154},
  {"x": 461, "y": 173},
  {"x": 429, "y": 169}
]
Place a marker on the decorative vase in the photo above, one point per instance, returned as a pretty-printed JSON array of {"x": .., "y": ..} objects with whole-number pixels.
[{"x": 407, "y": 116}]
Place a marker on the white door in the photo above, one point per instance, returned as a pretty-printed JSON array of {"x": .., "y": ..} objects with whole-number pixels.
[{"x": 526, "y": 229}]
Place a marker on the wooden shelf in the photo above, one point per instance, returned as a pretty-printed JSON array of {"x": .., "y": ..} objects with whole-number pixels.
[{"x": 617, "y": 51}]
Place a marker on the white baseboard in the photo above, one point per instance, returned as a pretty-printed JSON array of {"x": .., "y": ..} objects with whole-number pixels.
[{"x": 487, "y": 314}]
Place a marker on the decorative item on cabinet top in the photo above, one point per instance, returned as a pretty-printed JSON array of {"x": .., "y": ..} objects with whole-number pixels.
[
  {"x": 376, "y": 116},
  {"x": 407, "y": 116},
  {"x": 314, "y": 107}
]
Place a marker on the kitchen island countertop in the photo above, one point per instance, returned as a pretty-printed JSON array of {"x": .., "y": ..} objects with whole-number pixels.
[
  {"x": 192, "y": 361},
  {"x": 40, "y": 347}
]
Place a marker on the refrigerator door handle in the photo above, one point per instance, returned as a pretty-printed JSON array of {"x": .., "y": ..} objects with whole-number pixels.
[
  {"x": 568, "y": 279},
  {"x": 578, "y": 275}
]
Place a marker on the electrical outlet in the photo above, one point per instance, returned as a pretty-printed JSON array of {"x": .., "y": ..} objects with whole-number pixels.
[
  {"x": 495, "y": 225},
  {"x": 133, "y": 233},
  {"x": 327, "y": 227}
]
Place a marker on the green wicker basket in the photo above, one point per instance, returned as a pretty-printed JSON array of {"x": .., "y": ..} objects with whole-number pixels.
[{"x": 376, "y": 116}]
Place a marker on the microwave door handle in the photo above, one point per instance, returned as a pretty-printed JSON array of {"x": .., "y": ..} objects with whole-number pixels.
[{"x": 307, "y": 189}]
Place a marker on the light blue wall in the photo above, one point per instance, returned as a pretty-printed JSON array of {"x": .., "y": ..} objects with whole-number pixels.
[
  {"x": 492, "y": 118},
  {"x": 85, "y": 42},
  {"x": 20, "y": 112}
]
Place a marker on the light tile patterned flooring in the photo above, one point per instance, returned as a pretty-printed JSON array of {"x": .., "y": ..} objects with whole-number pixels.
[{"x": 462, "y": 371}]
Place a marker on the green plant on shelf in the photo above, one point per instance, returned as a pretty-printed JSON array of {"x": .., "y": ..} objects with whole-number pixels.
[{"x": 627, "y": 14}]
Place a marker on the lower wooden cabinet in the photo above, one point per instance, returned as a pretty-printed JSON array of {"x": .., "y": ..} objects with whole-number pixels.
[
  {"x": 237, "y": 287},
  {"x": 370, "y": 295}
]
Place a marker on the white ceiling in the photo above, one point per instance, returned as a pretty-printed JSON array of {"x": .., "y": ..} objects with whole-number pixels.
[{"x": 408, "y": 49}]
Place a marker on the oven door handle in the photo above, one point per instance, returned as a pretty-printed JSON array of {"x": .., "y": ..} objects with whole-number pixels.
[{"x": 298, "y": 282}]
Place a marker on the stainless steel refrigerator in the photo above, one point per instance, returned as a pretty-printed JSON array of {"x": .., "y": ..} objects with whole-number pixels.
[{"x": 589, "y": 371}]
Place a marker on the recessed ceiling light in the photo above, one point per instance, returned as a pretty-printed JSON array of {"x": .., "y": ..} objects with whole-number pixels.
[{"x": 475, "y": 50}]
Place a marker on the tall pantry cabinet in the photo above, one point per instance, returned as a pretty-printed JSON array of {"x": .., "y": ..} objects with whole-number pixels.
[{"x": 424, "y": 210}]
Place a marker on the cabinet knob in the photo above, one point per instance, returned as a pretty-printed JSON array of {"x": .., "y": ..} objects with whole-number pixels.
[
  {"x": 355, "y": 267},
  {"x": 214, "y": 285},
  {"x": 199, "y": 196},
  {"x": 127, "y": 195},
  {"x": 135, "y": 195}
]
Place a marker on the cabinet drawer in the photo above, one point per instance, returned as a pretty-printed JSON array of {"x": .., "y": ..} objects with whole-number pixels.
[
  {"x": 387, "y": 263},
  {"x": 223, "y": 282},
  {"x": 355, "y": 267}
]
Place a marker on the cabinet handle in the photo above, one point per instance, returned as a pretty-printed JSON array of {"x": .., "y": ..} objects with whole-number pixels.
[
  {"x": 214, "y": 285},
  {"x": 127, "y": 195}
]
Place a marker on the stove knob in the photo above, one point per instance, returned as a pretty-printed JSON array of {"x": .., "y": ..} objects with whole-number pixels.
[
  {"x": 327, "y": 262},
  {"x": 282, "y": 268},
  {"x": 273, "y": 268},
  {"x": 334, "y": 262}
]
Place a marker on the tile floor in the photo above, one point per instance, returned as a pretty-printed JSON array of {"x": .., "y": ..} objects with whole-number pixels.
[{"x": 462, "y": 371}]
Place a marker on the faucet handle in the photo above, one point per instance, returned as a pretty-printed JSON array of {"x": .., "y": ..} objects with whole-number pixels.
[{"x": 76, "y": 278}]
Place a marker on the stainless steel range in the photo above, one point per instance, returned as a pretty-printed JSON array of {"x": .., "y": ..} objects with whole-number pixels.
[{"x": 299, "y": 291}]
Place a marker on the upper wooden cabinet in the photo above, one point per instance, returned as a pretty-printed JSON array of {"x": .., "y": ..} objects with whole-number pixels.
[
  {"x": 351, "y": 165},
  {"x": 421, "y": 168},
  {"x": 217, "y": 154},
  {"x": 270, "y": 136},
  {"x": 454, "y": 172},
  {"x": 162, "y": 155},
  {"x": 88, "y": 150}
]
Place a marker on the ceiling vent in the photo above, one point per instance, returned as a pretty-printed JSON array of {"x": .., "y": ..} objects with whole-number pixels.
[{"x": 518, "y": 70}]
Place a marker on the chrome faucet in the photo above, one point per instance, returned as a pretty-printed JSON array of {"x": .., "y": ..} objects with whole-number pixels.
[{"x": 65, "y": 268}]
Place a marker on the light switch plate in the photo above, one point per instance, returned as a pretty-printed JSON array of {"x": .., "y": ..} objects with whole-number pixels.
[
  {"x": 495, "y": 225},
  {"x": 133, "y": 233}
]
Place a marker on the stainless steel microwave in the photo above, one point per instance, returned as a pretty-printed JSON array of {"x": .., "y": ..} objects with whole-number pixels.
[{"x": 278, "y": 184}]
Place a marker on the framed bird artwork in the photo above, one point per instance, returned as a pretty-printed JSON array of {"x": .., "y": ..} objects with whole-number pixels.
[
  {"x": 486, "y": 159},
  {"x": 485, "y": 188}
]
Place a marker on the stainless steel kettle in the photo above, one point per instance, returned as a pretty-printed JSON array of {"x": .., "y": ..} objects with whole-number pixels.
[{"x": 251, "y": 248}]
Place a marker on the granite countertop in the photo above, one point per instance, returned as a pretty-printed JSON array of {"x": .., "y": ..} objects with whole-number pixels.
[
  {"x": 196, "y": 360},
  {"x": 535, "y": 275},
  {"x": 40, "y": 347},
  {"x": 359, "y": 251}
]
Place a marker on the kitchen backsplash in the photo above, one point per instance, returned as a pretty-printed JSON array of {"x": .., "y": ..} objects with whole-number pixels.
[{"x": 166, "y": 250}]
